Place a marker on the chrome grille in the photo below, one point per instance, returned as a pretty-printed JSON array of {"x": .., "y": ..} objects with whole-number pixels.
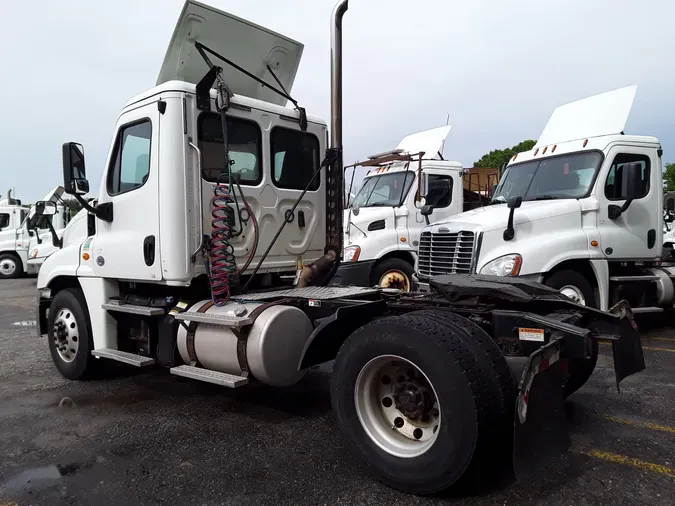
[{"x": 445, "y": 253}]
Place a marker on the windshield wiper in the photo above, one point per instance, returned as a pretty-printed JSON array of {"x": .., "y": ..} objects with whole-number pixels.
[{"x": 544, "y": 197}]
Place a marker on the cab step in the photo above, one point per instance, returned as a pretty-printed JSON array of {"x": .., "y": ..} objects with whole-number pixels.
[
  {"x": 229, "y": 319},
  {"x": 208, "y": 376},
  {"x": 638, "y": 310},
  {"x": 121, "y": 307},
  {"x": 646, "y": 277},
  {"x": 123, "y": 356}
]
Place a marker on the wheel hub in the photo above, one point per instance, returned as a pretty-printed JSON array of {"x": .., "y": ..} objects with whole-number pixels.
[
  {"x": 65, "y": 335},
  {"x": 7, "y": 267},
  {"x": 395, "y": 279},
  {"x": 412, "y": 399}
]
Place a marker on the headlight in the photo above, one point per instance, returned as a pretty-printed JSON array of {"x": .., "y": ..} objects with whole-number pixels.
[
  {"x": 34, "y": 253},
  {"x": 508, "y": 265},
  {"x": 351, "y": 254}
]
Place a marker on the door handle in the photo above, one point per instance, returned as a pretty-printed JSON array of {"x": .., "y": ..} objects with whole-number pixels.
[{"x": 149, "y": 250}]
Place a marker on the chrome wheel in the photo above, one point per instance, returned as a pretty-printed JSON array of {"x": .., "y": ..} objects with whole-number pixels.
[
  {"x": 7, "y": 267},
  {"x": 66, "y": 337},
  {"x": 397, "y": 406},
  {"x": 574, "y": 293},
  {"x": 395, "y": 279}
]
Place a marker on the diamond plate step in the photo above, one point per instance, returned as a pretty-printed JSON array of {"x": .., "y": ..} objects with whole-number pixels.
[
  {"x": 114, "y": 305},
  {"x": 228, "y": 320},
  {"x": 310, "y": 292},
  {"x": 215, "y": 377},
  {"x": 638, "y": 310},
  {"x": 123, "y": 356},
  {"x": 646, "y": 277}
]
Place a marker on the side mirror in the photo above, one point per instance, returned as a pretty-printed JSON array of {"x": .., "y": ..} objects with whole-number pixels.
[
  {"x": 427, "y": 210},
  {"x": 45, "y": 208},
  {"x": 74, "y": 174},
  {"x": 355, "y": 210},
  {"x": 631, "y": 188},
  {"x": 514, "y": 202},
  {"x": 424, "y": 184}
]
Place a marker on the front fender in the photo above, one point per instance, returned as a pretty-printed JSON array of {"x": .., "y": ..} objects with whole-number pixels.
[{"x": 61, "y": 263}]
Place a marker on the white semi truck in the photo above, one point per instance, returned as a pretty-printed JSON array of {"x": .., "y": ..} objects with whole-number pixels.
[
  {"x": 27, "y": 239},
  {"x": 213, "y": 191},
  {"x": 385, "y": 219}
]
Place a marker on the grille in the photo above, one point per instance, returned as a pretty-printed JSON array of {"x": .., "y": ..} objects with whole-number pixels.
[{"x": 445, "y": 253}]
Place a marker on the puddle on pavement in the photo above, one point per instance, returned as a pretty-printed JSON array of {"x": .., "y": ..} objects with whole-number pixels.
[{"x": 39, "y": 478}]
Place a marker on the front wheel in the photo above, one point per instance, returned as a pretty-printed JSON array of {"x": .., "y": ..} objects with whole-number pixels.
[
  {"x": 575, "y": 286},
  {"x": 10, "y": 266},
  {"x": 393, "y": 273},
  {"x": 69, "y": 333},
  {"x": 412, "y": 402}
]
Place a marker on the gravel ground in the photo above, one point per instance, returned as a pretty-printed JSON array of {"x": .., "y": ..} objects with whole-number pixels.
[{"x": 152, "y": 438}]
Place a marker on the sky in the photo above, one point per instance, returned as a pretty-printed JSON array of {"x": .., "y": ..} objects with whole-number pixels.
[{"x": 498, "y": 69}]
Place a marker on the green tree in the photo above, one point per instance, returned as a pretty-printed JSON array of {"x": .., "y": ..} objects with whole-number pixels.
[
  {"x": 669, "y": 177},
  {"x": 496, "y": 158}
]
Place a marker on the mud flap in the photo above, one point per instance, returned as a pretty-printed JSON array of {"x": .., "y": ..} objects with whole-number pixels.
[
  {"x": 627, "y": 350},
  {"x": 540, "y": 438}
]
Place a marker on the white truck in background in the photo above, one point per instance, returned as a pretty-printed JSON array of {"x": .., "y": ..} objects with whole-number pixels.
[
  {"x": 214, "y": 192},
  {"x": 384, "y": 221},
  {"x": 29, "y": 237},
  {"x": 582, "y": 212}
]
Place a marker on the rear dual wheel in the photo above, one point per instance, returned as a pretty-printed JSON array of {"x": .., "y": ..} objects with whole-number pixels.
[{"x": 417, "y": 403}]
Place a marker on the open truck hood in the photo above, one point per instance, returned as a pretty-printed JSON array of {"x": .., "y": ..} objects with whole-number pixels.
[
  {"x": 602, "y": 114},
  {"x": 52, "y": 196},
  {"x": 250, "y": 46},
  {"x": 430, "y": 142}
]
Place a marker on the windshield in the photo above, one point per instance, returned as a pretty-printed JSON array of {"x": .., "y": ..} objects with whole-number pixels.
[
  {"x": 561, "y": 177},
  {"x": 385, "y": 190}
]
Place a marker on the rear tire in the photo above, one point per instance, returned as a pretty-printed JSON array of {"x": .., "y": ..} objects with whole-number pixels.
[
  {"x": 393, "y": 273},
  {"x": 579, "y": 371},
  {"x": 69, "y": 334},
  {"x": 462, "y": 386},
  {"x": 10, "y": 266}
]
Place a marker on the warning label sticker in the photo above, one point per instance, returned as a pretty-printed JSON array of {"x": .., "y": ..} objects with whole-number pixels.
[{"x": 525, "y": 334}]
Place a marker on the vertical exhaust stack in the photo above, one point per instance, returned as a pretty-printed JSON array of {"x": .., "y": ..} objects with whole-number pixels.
[{"x": 334, "y": 171}]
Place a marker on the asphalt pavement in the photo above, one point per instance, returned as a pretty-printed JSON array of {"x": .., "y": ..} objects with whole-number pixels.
[{"x": 152, "y": 438}]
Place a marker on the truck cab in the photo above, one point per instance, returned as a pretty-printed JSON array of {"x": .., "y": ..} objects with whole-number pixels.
[
  {"x": 384, "y": 221},
  {"x": 13, "y": 247},
  {"x": 580, "y": 212},
  {"x": 47, "y": 234}
]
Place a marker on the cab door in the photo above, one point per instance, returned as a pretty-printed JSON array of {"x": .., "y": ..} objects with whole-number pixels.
[
  {"x": 128, "y": 246},
  {"x": 637, "y": 233}
]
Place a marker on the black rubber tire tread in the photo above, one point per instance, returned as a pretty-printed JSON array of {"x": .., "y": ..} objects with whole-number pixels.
[
  {"x": 392, "y": 264},
  {"x": 18, "y": 272},
  {"x": 570, "y": 277},
  {"x": 448, "y": 358},
  {"x": 84, "y": 364}
]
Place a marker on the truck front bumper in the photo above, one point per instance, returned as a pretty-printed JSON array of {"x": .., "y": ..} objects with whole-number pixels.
[{"x": 354, "y": 273}]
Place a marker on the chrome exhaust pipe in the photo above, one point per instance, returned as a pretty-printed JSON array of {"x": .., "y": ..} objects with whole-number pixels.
[{"x": 336, "y": 73}]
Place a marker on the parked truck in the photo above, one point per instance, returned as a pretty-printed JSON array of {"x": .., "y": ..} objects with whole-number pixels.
[
  {"x": 214, "y": 190},
  {"x": 384, "y": 221},
  {"x": 26, "y": 238}
]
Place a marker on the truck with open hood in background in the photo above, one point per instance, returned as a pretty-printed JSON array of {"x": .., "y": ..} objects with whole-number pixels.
[
  {"x": 214, "y": 192},
  {"x": 384, "y": 221}
]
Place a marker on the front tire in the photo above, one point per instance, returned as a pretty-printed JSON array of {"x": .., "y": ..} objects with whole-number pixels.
[
  {"x": 69, "y": 334},
  {"x": 10, "y": 266},
  {"x": 572, "y": 283},
  {"x": 419, "y": 376},
  {"x": 393, "y": 273}
]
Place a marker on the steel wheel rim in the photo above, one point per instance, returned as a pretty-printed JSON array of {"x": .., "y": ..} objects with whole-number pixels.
[
  {"x": 65, "y": 335},
  {"x": 7, "y": 266},
  {"x": 392, "y": 429},
  {"x": 573, "y": 293},
  {"x": 395, "y": 279}
]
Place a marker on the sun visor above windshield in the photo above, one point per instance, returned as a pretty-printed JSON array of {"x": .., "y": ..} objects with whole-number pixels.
[
  {"x": 250, "y": 46},
  {"x": 429, "y": 142},
  {"x": 603, "y": 114}
]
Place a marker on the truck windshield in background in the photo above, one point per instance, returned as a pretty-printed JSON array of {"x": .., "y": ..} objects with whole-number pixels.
[
  {"x": 560, "y": 177},
  {"x": 386, "y": 190}
]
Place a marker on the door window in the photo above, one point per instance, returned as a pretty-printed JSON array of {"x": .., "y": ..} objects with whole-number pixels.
[
  {"x": 440, "y": 191},
  {"x": 295, "y": 158},
  {"x": 130, "y": 166},
  {"x": 4, "y": 220},
  {"x": 614, "y": 184},
  {"x": 244, "y": 143}
]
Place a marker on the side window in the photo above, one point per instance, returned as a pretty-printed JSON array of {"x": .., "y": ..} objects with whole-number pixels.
[
  {"x": 244, "y": 140},
  {"x": 4, "y": 220},
  {"x": 130, "y": 165},
  {"x": 295, "y": 159},
  {"x": 440, "y": 191},
  {"x": 613, "y": 185}
]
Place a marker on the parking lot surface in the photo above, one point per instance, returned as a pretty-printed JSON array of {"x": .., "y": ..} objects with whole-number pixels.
[{"x": 152, "y": 438}]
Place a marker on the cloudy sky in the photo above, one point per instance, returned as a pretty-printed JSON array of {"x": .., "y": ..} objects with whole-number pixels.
[{"x": 497, "y": 68}]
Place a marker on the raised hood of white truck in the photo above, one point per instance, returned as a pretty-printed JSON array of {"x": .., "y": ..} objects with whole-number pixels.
[
  {"x": 496, "y": 216},
  {"x": 250, "y": 46}
]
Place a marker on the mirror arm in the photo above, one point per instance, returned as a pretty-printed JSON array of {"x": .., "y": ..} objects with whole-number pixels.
[
  {"x": 55, "y": 238},
  {"x": 510, "y": 233},
  {"x": 102, "y": 211},
  {"x": 37, "y": 235}
]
